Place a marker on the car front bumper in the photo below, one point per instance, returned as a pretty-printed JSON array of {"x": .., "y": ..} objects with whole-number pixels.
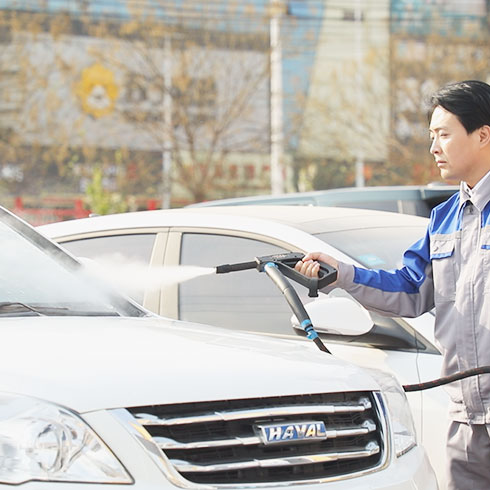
[{"x": 411, "y": 471}]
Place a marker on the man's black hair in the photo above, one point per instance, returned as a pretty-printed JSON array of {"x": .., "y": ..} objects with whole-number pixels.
[{"x": 469, "y": 101}]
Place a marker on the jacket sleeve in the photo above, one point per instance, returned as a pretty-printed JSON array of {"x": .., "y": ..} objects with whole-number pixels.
[{"x": 405, "y": 292}]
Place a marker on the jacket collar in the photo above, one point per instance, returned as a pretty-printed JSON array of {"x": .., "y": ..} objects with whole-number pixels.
[{"x": 479, "y": 195}]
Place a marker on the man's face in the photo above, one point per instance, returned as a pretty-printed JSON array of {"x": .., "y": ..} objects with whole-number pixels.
[{"x": 454, "y": 150}]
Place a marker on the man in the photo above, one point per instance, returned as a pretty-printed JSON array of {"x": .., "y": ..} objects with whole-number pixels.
[{"x": 450, "y": 269}]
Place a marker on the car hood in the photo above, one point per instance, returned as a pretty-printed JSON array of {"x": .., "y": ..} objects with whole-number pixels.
[{"x": 98, "y": 363}]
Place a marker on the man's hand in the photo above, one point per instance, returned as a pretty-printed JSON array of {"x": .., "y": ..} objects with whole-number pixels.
[{"x": 309, "y": 265}]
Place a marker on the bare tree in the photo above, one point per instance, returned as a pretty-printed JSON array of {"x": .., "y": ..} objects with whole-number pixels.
[
  {"x": 210, "y": 110},
  {"x": 425, "y": 65},
  {"x": 93, "y": 95},
  {"x": 389, "y": 119}
]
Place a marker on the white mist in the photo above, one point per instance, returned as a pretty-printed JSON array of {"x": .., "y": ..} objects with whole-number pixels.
[{"x": 133, "y": 277}]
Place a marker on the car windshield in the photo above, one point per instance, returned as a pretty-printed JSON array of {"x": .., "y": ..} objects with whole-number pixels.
[
  {"x": 39, "y": 279},
  {"x": 376, "y": 247}
]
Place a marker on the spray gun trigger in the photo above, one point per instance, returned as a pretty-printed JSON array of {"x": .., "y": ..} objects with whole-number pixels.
[{"x": 286, "y": 263}]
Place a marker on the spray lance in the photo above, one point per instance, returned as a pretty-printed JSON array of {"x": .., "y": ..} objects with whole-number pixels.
[
  {"x": 277, "y": 267},
  {"x": 280, "y": 265}
]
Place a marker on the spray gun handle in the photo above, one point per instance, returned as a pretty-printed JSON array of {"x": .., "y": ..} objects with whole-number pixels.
[{"x": 286, "y": 262}]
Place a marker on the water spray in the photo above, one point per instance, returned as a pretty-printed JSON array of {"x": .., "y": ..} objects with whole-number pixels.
[{"x": 134, "y": 277}]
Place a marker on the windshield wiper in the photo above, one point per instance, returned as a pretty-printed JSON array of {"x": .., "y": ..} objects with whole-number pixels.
[
  {"x": 90, "y": 313},
  {"x": 17, "y": 308}
]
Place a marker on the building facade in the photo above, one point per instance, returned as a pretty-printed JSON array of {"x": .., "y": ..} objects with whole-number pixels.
[
  {"x": 173, "y": 99},
  {"x": 134, "y": 93}
]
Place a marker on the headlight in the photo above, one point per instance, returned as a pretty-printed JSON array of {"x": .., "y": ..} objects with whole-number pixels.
[
  {"x": 402, "y": 425},
  {"x": 42, "y": 441}
]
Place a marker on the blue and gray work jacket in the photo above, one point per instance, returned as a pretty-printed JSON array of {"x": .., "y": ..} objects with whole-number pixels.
[{"x": 449, "y": 269}]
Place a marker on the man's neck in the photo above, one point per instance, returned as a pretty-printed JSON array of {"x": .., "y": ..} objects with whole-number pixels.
[{"x": 478, "y": 182}]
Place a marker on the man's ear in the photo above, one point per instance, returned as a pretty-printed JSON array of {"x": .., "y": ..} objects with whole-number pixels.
[{"x": 484, "y": 135}]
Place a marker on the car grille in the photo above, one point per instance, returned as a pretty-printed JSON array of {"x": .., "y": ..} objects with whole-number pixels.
[{"x": 220, "y": 443}]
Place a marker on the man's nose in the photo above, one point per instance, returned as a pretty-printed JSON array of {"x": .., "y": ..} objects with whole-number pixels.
[{"x": 434, "y": 147}]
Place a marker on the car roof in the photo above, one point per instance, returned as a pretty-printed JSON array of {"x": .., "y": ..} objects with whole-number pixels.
[{"x": 308, "y": 219}]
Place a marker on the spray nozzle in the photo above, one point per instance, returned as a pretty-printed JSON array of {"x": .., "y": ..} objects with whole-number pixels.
[
  {"x": 242, "y": 266},
  {"x": 286, "y": 262}
]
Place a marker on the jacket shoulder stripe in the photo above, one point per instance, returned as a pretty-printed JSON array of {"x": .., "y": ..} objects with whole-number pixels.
[{"x": 445, "y": 218}]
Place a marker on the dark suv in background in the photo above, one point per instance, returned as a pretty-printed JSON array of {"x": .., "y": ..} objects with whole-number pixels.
[{"x": 411, "y": 199}]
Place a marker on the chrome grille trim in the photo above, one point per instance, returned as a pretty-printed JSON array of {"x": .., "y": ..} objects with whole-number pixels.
[
  {"x": 185, "y": 467},
  {"x": 167, "y": 443},
  {"x": 148, "y": 419},
  {"x": 146, "y": 438}
]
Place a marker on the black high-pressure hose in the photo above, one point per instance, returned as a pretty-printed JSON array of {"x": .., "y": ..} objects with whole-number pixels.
[
  {"x": 295, "y": 303},
  {"x": 447, "y": 379},
  {"x": 276, "y": 266}
]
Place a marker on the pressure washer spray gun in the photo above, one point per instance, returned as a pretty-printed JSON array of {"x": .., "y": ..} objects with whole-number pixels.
[
  {"x": 280, "y": 265},
  {"x": 277, "y": 267}
]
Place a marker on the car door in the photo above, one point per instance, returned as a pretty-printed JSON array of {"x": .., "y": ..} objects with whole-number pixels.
[{"x": 245, "y": 300}]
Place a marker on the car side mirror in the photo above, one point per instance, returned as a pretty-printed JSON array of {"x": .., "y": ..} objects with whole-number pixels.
[{"x": 338, "y": 316}]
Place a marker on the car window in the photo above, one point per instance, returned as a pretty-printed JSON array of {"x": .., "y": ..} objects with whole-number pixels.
[
  {"x": 245, "y": 300},
  {"x": 134, "y": 247},
  {"x": 375, "y": 248},
  {"x": 115, "y": 250}
]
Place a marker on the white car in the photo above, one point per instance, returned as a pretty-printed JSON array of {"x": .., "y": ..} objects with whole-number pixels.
[
  {"x": 96, "y": 390},
  {"x": 248, "y": 300}
]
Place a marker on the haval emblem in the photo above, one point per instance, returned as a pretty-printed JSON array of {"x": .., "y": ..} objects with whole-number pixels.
[{"x": 292, "y": 432}]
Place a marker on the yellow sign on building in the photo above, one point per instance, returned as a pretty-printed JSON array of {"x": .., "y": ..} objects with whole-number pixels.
[{"x": 97, "y": 90}]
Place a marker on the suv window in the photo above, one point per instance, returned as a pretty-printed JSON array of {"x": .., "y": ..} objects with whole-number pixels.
[
  {"x": 363, "y": 245},
  {"x": 133, "y": 248},
  {"x": 115, "y": 250},
  {"x": 248, "y": 300}
]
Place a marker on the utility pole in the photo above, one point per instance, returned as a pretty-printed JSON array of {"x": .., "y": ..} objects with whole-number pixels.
[
  {"x": 360, "y": 182},
  {"x": 276, "y": 96},
  {"x": 167, "y": 123}
]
